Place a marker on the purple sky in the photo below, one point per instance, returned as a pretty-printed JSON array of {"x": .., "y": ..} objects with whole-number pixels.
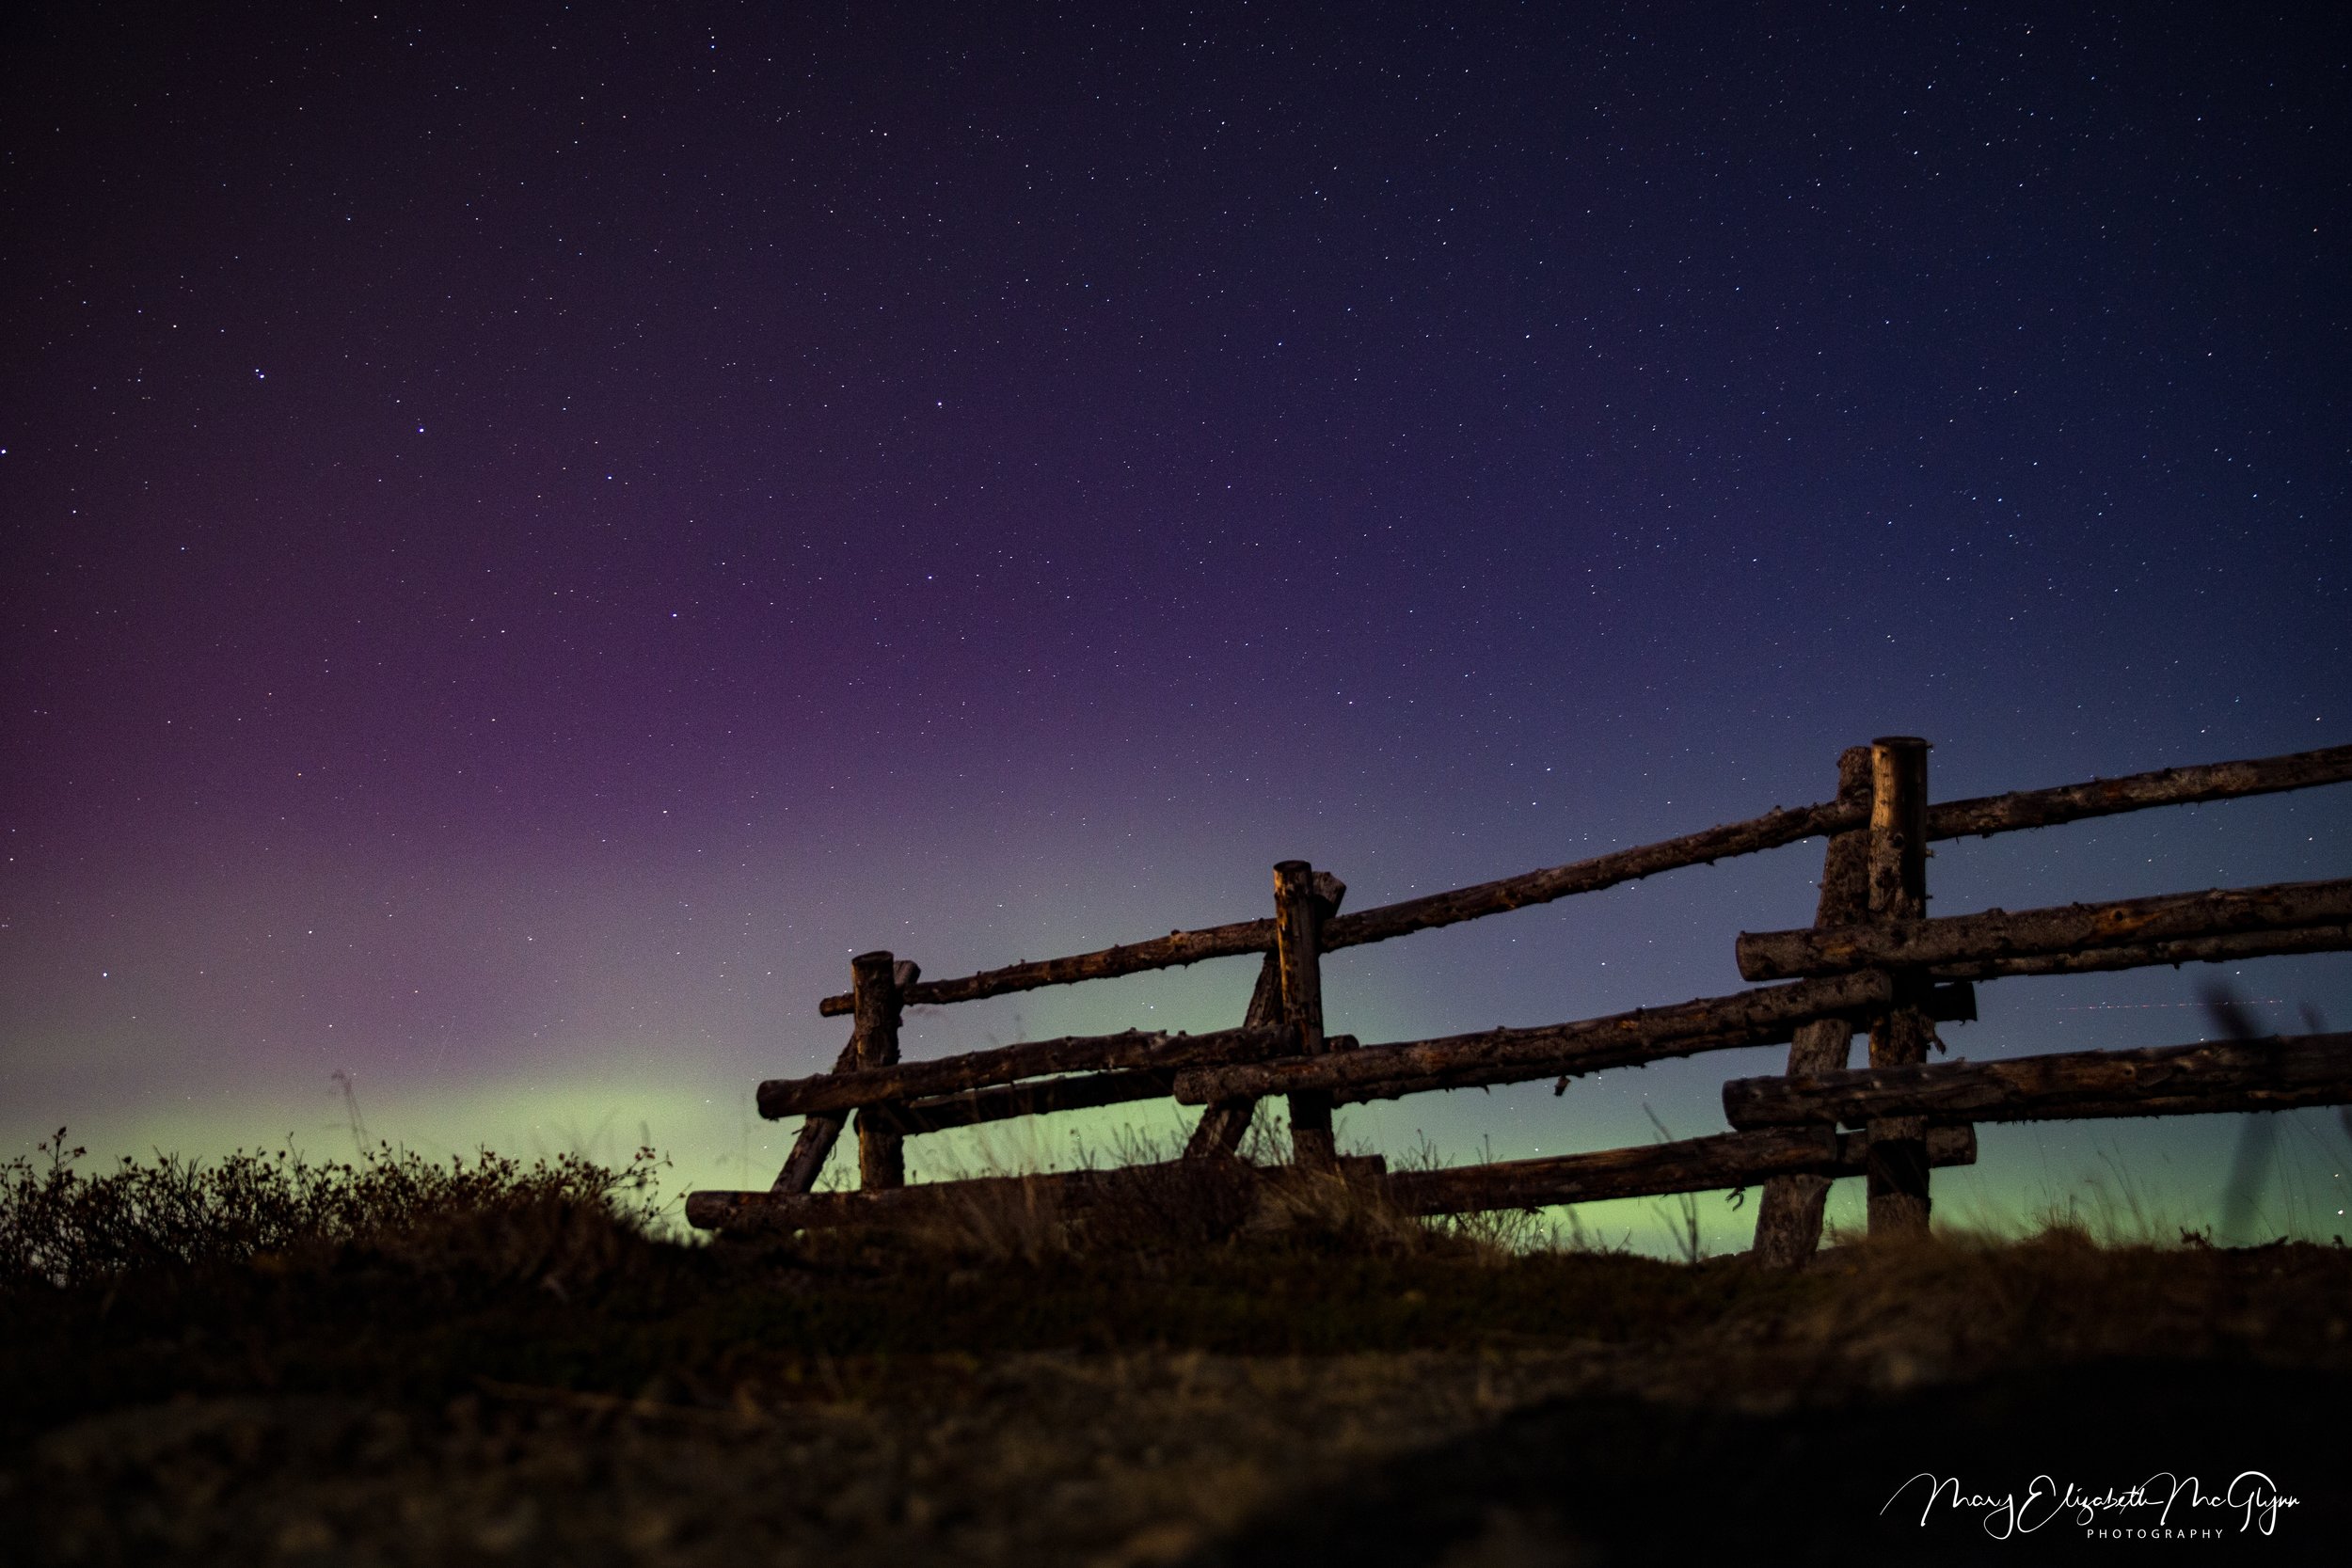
[{"x": 534, "y": 533}]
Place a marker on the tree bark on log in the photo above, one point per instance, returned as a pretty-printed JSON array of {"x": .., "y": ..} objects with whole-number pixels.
[
  {"x": 2033, "y": 1088},
  {"x": 1181, "y": 1187},
  {"x": 1299, "y": 966},
  {"x": 881, "y": 1159},
  {"x": 2166, "y": 787},
  {"x": 1992, "y": 814},
  {"x": 1965, "y": 939},
  {"x": 1172, "y": 951},
  {"x": 975, "y": 1069},
  {"x": 2148, "y": 955},
  {"x": 1598, "y": 1058},
  {"x": 814, "y": 1144},
  {"x": 1769, "y": 831},
  {"x": 1897, "y": 855},
  {"x": 1789, "y": 1215},
  {"x": 1945, "y": 1002},
  {"x": 1226, "y": 1122},
  {"x": 2220, "y": 1102},
  {"x": 1687, "y": 1165},
  {"x": 1509, "y": 1055},
  {"x": 1081, "y": 1092}
]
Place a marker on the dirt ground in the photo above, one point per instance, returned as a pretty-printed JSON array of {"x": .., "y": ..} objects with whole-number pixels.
[{"x": 1770, "y": 1420}]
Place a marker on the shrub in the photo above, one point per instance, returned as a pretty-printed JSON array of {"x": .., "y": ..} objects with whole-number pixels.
[{"x": 60, "y": 1227}]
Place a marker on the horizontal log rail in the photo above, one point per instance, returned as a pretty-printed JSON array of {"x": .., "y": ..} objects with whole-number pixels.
[
  {"x": 1510, "y": 1055},
  {"x": 1978, "y": 817},
  {"x": 1593, "y": 1057},
  {"x": 2270, "y": 1073},
  {"x": 2218, "y": 1103},
  {"x": 1650, "y": 1170},
  {"x": 1079, "y": 1092},
  {"x": 1184, "y": 1188},
  {"x": 1692, "y": 1165},
  {"x": 1987, "y": 814},
  {"x": 2227, "y": 948},
  {"x": 1947, "y": 1003},
  {"x": 2001, "y": 933},
  {"x": 979, "y": 1070}
]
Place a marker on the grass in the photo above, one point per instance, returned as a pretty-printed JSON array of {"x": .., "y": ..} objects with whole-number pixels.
[
  {"x": 1006, "y": 1384},
  {"x": 60, "y": 1227}
]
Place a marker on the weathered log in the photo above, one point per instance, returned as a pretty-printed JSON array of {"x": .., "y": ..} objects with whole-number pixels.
[
  {"x": 1183, "y": 1187},
  {"x": 1596, "y": 1058},
  {"x": 1298, "y": 970},
  {"x": 1789, "y": 1214},
  {"x": 814, "y": 1143},
  {"x": 2148, "y": 955},
  {"x": 1223, "y": 1125},
  {"x": 1081, "y": 1092},
  {"x": 1010, "y": 1064},
  {"x": 2031, "y": 808},
  {"x": 2220, "y": 1102},
  {"x": 1999, "y": 933},
  {"x": 2166, "y": 786},
  {"x": 2047, "y": 1088},
  {"x": 1506, "y": 1056},
  {"x": 1769, "y": 831},
  {"x": 1897, "y": 841},
  {"x": 1174, "y": 950},
  {"x": 1899, "y": 1201},
  {"x": 881, "y": 1159},
  {"x": 1945, "y": 1002},
  {"x": 1687, "y": 1165}
]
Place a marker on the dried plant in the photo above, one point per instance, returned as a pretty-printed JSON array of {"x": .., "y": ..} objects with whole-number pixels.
[{"x": 61, "y": 1228}]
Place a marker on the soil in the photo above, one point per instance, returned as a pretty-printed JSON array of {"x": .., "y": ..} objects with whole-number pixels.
[{"x": 1210, "y": 1410}]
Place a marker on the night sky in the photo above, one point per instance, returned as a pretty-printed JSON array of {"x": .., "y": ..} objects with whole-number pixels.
[{"x": 535, "y": 532}]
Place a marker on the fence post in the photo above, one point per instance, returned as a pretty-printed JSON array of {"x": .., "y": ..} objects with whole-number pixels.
[
  {"x": 881, "y": 1159},
  {"x": 1789, "y": 1219},
  {"x": 1297, "y": 943},
  {"x": 818, "y": 1133},
  {"x": 1222, "y": 1125},
  {"x": 1898, "y": 890}
]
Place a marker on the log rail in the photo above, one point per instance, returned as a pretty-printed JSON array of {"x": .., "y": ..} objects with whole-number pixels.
[
  {"x": 1978, "y": 817},
  {"x": 2227, "y": 1076},
  {"x": 1974, "y": 939},
  {"x": 1894, "y": 973}
]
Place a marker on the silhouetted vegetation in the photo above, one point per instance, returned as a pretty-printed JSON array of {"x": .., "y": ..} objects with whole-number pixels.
[{"x": 259, "y": 1354}]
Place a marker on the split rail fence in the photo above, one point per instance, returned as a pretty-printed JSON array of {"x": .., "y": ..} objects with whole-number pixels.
[{"x": 1873, "y": 962}]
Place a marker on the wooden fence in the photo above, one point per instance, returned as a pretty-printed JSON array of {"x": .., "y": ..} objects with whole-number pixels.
[{"x": 1872, "y": 962}]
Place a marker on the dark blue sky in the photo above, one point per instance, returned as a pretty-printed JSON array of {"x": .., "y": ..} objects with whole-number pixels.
[{"x": 532, "y": 536}]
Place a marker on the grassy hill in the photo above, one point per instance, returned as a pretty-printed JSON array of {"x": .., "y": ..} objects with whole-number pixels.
[{"x": 391, "y": 1361}]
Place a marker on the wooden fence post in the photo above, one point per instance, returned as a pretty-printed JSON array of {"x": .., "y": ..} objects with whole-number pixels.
[
  {"x": 881, "y": 1159},
  {"x": 1222, "y": 1125},
  {"x": 1898, "y": 1175},
  {"x": 820, "y": 1132},
  {"x": 1297, "y": 943},
  {"x": 1788, "y": 1218}
]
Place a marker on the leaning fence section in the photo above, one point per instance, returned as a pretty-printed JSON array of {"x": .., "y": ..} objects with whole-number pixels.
[{"x": 1872, "y": 964}]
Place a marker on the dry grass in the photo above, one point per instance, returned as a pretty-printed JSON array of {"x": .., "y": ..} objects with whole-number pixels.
[
  {"x": 400, "y": 1363},
  {"x": 61, "y": 1228}
]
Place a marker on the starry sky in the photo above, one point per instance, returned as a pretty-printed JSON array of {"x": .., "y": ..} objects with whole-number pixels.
[{"x": 534, "y": 533}]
